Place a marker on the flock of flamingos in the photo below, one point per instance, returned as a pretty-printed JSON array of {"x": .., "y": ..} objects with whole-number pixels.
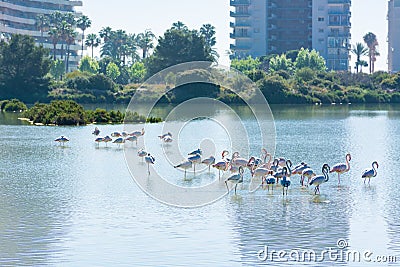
[{"x": 272, "y": 172}]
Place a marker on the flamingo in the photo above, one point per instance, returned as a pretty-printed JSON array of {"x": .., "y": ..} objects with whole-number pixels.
[
  {"x": 298, "y": 169},
  {"x": 197, "y": 151},
  {"x": 184, "y": 165},
  {"x": 98, "y": 140},
  {"x": 236, "y": 161},
  {"x": 285, "y": 182},
  {"x": 96, "y": 131},
  {"x": 142, "y": 153},
  {"x": 270, "y": 180},
  {"x": 137, "y": 133},
  {"x": 309, "y": 173},
  {"x": 167, "y": 139},
  {"x": 195, "y": 159},
  {"x": 275, "y": 167},
  {"x": 62, "y": 139},
  {"x": 220, "y": 166},
  {"x": 124, "y": 134},
  {"x": 107, "y": 139},
  {"x": 320, "y": 179},
  {"x": 369, "y": 173},
  {"x": 260, "y": 172},
  {"x": 132, "y": 139},
  {"x": 235, "y": 178},
  {"x": 281, "y": 162},
  {"x": 165, "y": 135},
  {"x": 149, "y": 160},
  {"x": 116, "y": 134},
  {"x": 119, "y": 141},
  {"x": 281, "y": 172},
  {"x": 209, "y": 161},
  {"x": 341, "y": 168}
]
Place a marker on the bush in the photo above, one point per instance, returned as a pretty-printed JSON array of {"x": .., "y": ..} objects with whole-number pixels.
[{"x": 12, "y": 105}]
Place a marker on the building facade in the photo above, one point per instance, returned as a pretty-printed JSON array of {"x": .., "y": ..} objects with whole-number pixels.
[
  {"x": 19, "y": 17},
  {"x": 394, "y": 36},
  {"x": 263, "y": 27}
]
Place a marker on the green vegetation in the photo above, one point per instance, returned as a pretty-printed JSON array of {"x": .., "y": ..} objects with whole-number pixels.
[
  {"x": 13, "y": 105},
  {"x": 68, "y": 112}
]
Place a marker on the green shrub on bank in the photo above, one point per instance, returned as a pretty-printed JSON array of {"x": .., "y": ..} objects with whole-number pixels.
[{"x": 13, "y": 105}]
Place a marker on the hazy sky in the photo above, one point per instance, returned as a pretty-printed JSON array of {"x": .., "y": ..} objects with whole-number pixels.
[{"x": 135, "y": 16}]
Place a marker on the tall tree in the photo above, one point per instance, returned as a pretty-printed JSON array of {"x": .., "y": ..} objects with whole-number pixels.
[
  {"x": 208, "y": 32},
  {"x": 145, "y": 42},
  {"x": 42, "y": 24},
  {"x": 92, "y": 41},
  {"x": 372, "y": 43},
  {"x": 178, "y": 46},
  {"x": 105, "y": 33},
  {"x": 83, "y": 23},
  {"x": 359, "y": 50},
  {"x": 180, "y": 26},
  {"x": 70, "y": 39},
  {"x": 55, "y": 37},
  {"x": 23, "y": 67}
]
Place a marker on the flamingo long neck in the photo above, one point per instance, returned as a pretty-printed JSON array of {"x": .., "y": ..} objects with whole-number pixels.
[
  {"x": 347, "y": 163},
  {"x": 289, "y": 171},
  {"x": 269, "y": 161},
  {"x": 325, "y": 172},
  {"x": 373, "y": 167}
]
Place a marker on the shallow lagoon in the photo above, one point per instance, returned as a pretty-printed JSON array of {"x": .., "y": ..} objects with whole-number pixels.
[{"x": 78, "y": 205}]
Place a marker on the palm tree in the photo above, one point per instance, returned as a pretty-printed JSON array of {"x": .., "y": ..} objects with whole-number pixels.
[
  {"x": 362, "y": 64},
  {"x": 145, "y": 42},
  {"x": 359, "y": 50},
  {"x": 63, "y": 29},
  {"x": 83, "y": 23},
  {"x": 92, "y": 41},
  {"x": 105, "y": 33},
  {"x": 180, "y": 26},
  {"x": 55, "y": 37},
  {"x": 69, "y": 40},
  {"x": 42, "y": 24},
  {"x": 372, "y": 42}
]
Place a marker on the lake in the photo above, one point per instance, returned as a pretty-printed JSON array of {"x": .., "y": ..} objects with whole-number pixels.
[{"x": 78, "y": 205}]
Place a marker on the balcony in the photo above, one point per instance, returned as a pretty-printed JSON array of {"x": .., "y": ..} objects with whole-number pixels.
[
  {"x": 238, "y": 36},
  {"x": 339, "y": 12},
  {"x": 239, "y": 14},
  {"x": 241, "y": 24},
  {"x": 240, "y": 2},
  {"x": 339, "y": 2}
]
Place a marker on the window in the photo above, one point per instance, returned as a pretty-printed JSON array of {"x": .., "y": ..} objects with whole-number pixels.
[
  {"x": 321, "y": 19},
  {"x": 256, "y": 30},
  {"x": 320, "y": 30}
]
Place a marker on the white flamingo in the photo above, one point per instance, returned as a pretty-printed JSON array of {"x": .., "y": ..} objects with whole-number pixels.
[
  {"x": 209, "y": 161},
  {"x": 341, "y": 168},
  {"x": 98, "y": 140},
  {"x": 119, "y": 141},
  {"x": 116, "y": 134},
  {"x": 167, "y": 139},
  {"x": 165, "y": 135},
  {"x": 107, "y": 139},
  {"x": 184, "y": 165},
  {"x": 235, "y": 178},
  {"x": 149, "y": 159},
  {"x": 309, "y": 173},
  {"x": 142, "y": 153},
  {"x": 137, "y": 133},
  {"x": 195, "y": 159},
  {"x": 197, "y": 151},
  {"x": 369, "y": 173},
  {"x": 320, "y": 179},
  {"x": 96, "y": 131},
  {"x": 132, "y": 139}
]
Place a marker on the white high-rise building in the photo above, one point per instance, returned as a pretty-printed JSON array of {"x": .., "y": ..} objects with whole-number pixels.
[
  {"x": 263, "y": 27},
  {"x": 19, "y": 17},
  {"x": 394, "y": 36}
]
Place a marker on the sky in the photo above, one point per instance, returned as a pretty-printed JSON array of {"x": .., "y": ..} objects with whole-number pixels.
[{"x": 135, "y": 16}]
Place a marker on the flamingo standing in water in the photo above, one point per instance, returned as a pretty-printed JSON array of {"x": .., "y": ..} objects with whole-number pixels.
[
  {"x": 184, "y": 165},
  {"x": 107, "y": 139},
  {"x": 309, "y": 173},
  {"x": 235, "y": 178},
  {"x": 222, "y": 165},
  {"x": 142, "y": 153},
  {"x": 137, "y": 133},
  {"x": 270, "y": 180},
  {"x": 165, "y": 135},
  {"x": 369, "y": 173},
  {"x": 281, "y": 172},
  {"x": 285, "y": 182},
  {"x": 320, "y": 179},
  {"x": 149, "y": 160},
  {"x": 167, "y": 139},
  {"x": 98, "y": 140},
  {"x": 62, "y": 139},
  {"x": 132, "y": 139},
  {"x": 116, "y": 134},
  {"x": 197, "y": 151},
  {"x": 209, "y": 161},
  {"x": 195, "y": 159},
  {"x": 341, "y": 168}
]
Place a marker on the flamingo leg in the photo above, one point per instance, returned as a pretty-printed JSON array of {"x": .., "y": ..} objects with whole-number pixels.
[
  {"x": 219, "y": 174},
  {"x": 369, "y": 180},
  {"x": 148, "y": 168},
  {"x": 338, "y": 177},
  {"x": 194, "y": 168},
  {"x": 235, "y": 188},
  {"x": 226, "y": 183}
]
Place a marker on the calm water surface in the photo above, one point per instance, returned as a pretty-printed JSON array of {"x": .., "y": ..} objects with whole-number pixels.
[{"x": 78, "y": 205}]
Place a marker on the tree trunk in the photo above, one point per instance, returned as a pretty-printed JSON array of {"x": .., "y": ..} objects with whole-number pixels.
[
  {"x": 92, "y": 51},
  {"x": 54, "y": 51},
  {"x": 83, "y": 38},
  {"x": 67, "y": 60}
]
